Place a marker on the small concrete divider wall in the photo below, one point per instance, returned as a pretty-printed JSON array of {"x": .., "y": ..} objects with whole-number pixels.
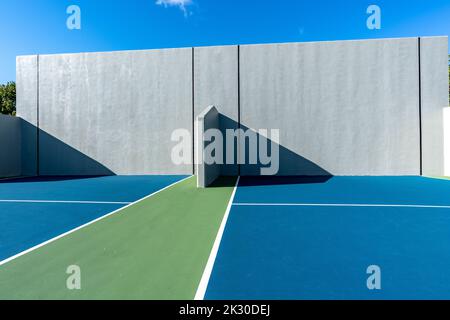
[
  {"x": 369, "y": 107},
  {"x": 10, "y": 155},
  {"x": 207, "y": 172}
]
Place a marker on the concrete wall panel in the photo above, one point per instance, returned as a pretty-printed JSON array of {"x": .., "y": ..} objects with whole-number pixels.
[
  {"x": 447, "y": 142},
  {"x": 114, "y": 113},
  {"x": 434, "y": 77},
  {"x": 216, "y": 83},
  {"x": 343, "y": 108},
  {"x": 26, "y": 104}
]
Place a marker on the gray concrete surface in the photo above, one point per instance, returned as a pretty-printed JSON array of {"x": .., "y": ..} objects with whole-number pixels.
[
  {"x": 114, "y": 113},
  {"x": 343, "y": 108},
  {"x": 26, "y": 104},
  {"x": 216, "y": 83},
  {"x": 434, "y": 74},
  {"x": 207, "y": 172},
  {"x": 10, "y": 156},
  {"x": 447, "y": 142}
]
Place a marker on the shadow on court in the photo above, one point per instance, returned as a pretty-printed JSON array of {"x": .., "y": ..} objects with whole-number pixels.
[
  {"x": 282, "y": 180},
  {"x": 224, "y": 182}
]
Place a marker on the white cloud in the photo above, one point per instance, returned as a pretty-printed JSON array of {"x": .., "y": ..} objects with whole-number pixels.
[{"x": 182, "y": 4}]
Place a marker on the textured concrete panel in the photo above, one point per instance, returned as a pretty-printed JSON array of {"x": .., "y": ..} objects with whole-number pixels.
[
  {"x": 10, "y": 157},
  {"x": 26, "y": 104},
  {"x": 343, "y": 108},
  {"x": 447, "y": 142},
  {"x": 206, "y": 172},
  {"x": 434, "y": 74},
  {"x": 216, "y": 83},
  {"x": 114, "y": 113}
]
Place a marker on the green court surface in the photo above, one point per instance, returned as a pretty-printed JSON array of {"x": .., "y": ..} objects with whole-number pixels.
[{"x": 154, "y": 249}]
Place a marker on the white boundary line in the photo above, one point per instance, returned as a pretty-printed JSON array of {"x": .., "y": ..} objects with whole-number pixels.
[
  {"x": 87, "y": 224},
  {"x": 339, "y": 205},
  {"x": 62, "y": 201},
  {"x": 201, "y": 290}
]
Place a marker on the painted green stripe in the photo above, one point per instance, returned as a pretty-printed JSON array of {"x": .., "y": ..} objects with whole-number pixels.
[{"x": 156, "y": 249}]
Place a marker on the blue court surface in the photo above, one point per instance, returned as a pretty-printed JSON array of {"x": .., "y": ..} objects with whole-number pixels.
[
  {"x": 314, "y": 238},
  {"x": 35, "y": 210}
]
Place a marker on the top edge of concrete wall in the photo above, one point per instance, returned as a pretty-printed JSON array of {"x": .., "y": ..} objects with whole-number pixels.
[
  {"x": 347, "y": 41},
  {"x": 6, "y": 116},
  {"x": 232, "y": 45},
  {"x": 9, "y": 117},
  {"x": 105, "y": 52}
]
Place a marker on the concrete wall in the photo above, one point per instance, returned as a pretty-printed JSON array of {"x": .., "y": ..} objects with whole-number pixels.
[
  {"x": 216, "y": 83},
  {"x": 207, "y": 172},
  {"x": 447, "y": 142},
  {"x": 113, "y": 113},
  {"x": 345, "y": 108},
  {"x": 27, "y": 109},
  {"x": 10, "y": 157},
  {"x": 434, "y": 80}
]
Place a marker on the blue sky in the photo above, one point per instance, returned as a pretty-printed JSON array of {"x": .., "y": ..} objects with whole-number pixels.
[{"x": 39, "y": 26}]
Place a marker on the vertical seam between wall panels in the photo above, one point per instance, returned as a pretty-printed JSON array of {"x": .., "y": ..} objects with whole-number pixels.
[
  {"x": 239, "y": 108},
  {"x": 193, "y": 109},
  {"x": 38, "y": 116},
  {"x": 420, "y": 105}
]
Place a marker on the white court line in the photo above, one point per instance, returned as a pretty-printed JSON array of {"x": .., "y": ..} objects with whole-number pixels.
[
  {"x": 340, "y": 205},
  {"x": 201, "y": 290},
  {"x": 87, "y": 224},
  {"x": 62, "y": 201}
]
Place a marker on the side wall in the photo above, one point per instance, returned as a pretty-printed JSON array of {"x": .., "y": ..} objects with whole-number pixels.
[
  {"x": 10, "y": 157},
  {"x": 207, "y": 172}
]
